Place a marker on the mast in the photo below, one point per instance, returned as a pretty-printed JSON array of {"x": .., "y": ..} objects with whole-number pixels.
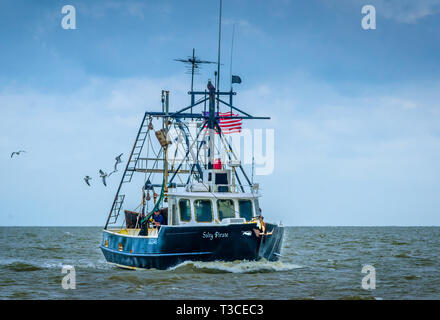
[
  {"x": 230, "y": 65},
  {"x": 219, "y": 43},
  {"x": 211, "y": 124},
  {"x": 165, "y": 154},
  {"x": 212, "y": 116}
]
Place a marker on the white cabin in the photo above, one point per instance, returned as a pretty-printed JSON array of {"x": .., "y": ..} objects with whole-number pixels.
[{"x": 211, "y": 207}]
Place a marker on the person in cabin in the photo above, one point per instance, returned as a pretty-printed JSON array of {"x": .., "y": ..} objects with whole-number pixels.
[{"x": 158, "y": 219}]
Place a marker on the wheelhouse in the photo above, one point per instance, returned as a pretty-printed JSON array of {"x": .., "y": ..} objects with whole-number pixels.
[{"x": 212, "y": 208}]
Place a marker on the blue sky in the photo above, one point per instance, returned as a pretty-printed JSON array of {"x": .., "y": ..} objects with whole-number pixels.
[{"x": 356, "y": 113}]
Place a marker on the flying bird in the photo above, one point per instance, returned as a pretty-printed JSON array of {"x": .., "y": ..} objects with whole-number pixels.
[
  {"x": 118, "y": 161},
  {"x": 103, "y": 175},
  {"x": 17, "y": 153},
  {"x": 86, "y": 179}
]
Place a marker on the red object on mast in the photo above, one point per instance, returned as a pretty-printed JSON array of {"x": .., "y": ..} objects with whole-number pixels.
[{"x": 217, "y": 164}]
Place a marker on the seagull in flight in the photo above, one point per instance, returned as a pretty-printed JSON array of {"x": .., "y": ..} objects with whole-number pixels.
[
  {"x": 17, "y": 153},
  {"x": 103, "y": 175},
  {"x": 118, "y": 161},
  {"x": 86, "y": 179}
]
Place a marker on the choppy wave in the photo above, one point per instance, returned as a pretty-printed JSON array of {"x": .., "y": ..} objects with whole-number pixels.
[
  {"x": 235, "y": 266},
  {"x": 32, "y": 259},
  {"x": 359, "y": 298},
  {"x": 18, "y": 265},
  {"x": 399, "y": 243}
]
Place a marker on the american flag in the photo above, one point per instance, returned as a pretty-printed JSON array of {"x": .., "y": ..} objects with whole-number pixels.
[{"x": 228, "y": 125}]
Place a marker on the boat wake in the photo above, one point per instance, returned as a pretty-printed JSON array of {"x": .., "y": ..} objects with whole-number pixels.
[{"x": 262, "y": 266}]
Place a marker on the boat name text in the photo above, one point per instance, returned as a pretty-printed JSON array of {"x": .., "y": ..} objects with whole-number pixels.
[{"x": 210, "y": 236}]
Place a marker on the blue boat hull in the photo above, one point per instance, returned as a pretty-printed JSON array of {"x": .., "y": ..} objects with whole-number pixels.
[{"x": 176, "y": 244}]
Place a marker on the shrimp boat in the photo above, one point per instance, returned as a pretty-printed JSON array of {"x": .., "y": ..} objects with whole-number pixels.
[
  {"x": 183, "y": 165},
  {"x": 210, "y": 206}
]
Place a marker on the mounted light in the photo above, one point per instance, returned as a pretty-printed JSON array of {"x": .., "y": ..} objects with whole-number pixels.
[{"x": 234, "y": 163}]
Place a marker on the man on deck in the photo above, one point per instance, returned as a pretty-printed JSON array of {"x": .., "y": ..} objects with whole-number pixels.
[{"x": 158, "y": 219}]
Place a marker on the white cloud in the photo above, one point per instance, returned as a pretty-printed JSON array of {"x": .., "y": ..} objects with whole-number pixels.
[
  {"x": 331, "y": 151},
  {"x": 243, "y": 27},
  {"x": 403, "y": 11},
  {"x": 407, "y": 11},
  {"x": 68, "y": 136}
]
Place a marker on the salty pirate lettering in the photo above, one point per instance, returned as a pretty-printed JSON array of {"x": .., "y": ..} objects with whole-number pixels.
[{"x": 211, "y": 236}]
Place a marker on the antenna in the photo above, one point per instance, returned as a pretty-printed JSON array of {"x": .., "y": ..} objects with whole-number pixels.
[
  {"x": 232, "y": 49},
  {"x": 218, "y": 59},
  {"x": 193, "y": 69}
]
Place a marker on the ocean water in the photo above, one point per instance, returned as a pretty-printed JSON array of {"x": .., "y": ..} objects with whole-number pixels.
[{"x": 316, "y": 263}]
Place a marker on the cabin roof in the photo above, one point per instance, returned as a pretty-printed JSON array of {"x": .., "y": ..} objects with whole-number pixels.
[{"x": 214, "y": 195}]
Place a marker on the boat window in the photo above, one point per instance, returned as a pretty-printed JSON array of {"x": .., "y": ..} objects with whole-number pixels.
[
  {"x": 203, "y": 210},
  {"x": 225, "y": 209},
  {"x": 185, "y": 210},
  {"x": 245, "y": 208},
  {"x": 221, "y": 178}
]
